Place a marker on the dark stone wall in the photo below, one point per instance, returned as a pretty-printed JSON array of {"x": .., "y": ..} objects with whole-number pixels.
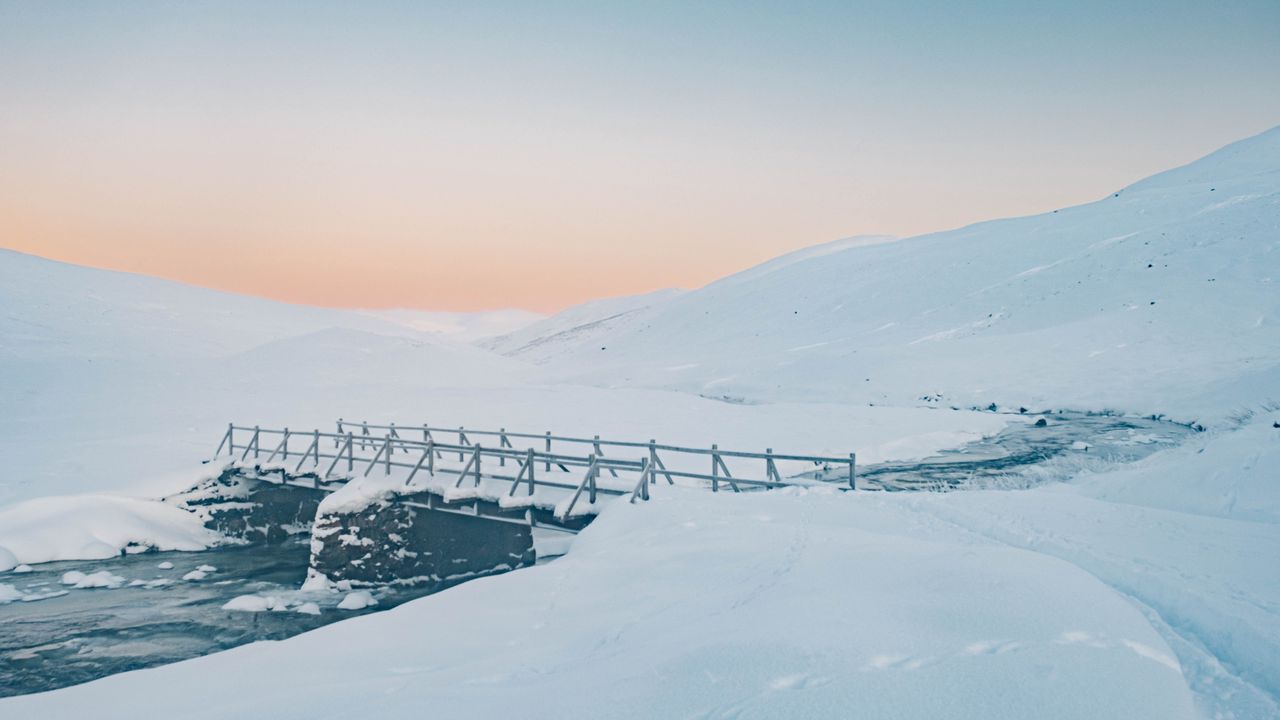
[
  {"x": 384, "y": 542},
  {"x": 392, "y": 542},
  {"x": 250, "y": 507}
]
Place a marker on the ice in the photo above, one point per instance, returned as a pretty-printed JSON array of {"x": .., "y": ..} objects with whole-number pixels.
[
  {"x": 9, "y": 593},
  {"x": 100, "y": 579},
  {"x": 358, "y": 600},
  {"x": 256, "y": 603},
  {"x": 308, "y": 608}
]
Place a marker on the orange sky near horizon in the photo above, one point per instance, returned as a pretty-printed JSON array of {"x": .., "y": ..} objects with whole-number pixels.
[{"x": 468, "y": 158}]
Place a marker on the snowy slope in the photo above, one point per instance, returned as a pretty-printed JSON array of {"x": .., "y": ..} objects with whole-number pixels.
[
  {"x": 461, "y": 326},
  {"x": 578, "y": 324},
  {"x": 133, "y": 403},
  {"x": 50, "y": 310},
  {"x": 1159, "y": 298},
  {"x": 787, "y": 605}
]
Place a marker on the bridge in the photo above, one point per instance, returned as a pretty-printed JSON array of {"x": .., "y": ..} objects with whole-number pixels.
[{"x": 537, "y": 479}]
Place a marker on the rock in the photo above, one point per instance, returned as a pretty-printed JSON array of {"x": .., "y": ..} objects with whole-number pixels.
[
  {"x": 390, "y": 541},
  {"x": 1041, "y": 423},
  {"x": 242, "y": 505}
]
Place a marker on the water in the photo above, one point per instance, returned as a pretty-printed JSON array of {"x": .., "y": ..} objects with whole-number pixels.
[
  {"x": 1024, "y": 454},
  {"x": 90, "y": 633}
]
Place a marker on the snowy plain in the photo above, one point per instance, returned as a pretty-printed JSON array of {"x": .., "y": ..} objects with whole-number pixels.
[{"x": 1145, "y": 590}]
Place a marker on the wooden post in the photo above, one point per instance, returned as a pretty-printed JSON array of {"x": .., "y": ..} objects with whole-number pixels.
[
  {"x": 351, "y": 454},
  {"x": 594, "y": 472},
  {"x": 336, "y": 442},
  {"x": 715, "y": 469},
  {"x": 387, "y": 457},
  {"x": 477, "y": 456},
  {"x": 226, "y": 440},
  {"x": 656, "y": 463},
  {"x": 502, "y": 443},
  {"x": 853, "y": 461},
  {"x": 595, "y": 445},
  {"x": 462, "y": 440},
  {"x": 529, "y": 461},
  {"x": 548, "y": 451},
  {"x": 771, "y": 470},
  {"x": 418, "y": 467},
  {"x": 286, "y": 443}
]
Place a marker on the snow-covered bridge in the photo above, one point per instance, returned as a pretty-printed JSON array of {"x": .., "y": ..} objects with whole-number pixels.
[{"x": 537, "y": 479}]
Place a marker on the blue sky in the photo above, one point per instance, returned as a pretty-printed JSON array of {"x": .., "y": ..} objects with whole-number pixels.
[{"x": 682, "y": 141}]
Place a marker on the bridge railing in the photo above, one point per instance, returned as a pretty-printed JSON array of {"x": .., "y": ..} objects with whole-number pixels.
[
  {"x": 719, "y": 470},
  {"x": 354, "y": 452},
  {"x": 475, "y": 460}
]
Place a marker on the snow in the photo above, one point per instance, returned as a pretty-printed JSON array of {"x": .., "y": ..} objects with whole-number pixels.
[
  {"x": 1159, "y": 298},
  {"x": 1145, "y": 590},
  {"x": 308, "y": 608},
  {"x": 358, "y": 600},
  {"x": 791, "y": 604},
  {"x": 195, "y": 575},
  {"x": 91, "y": 527},
  {"x": 256, "y": 603},
  {"x": 100, "y": 579},
  {"x": 9, "y": 593},
  {"x": 462, "y": 327},
  {"x": 578, "y": 322},
  {"x": 166, "y": 565}
]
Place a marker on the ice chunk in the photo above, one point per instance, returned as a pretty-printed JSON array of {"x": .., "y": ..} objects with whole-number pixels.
[
  {"x": 358, "y": 600},
  {"x": 100, "y": 579}
]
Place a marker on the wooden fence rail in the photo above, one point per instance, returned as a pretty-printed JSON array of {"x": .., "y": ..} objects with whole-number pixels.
[{"x": 652, "y": 447}]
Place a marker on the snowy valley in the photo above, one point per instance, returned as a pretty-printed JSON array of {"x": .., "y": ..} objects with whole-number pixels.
[{"x": 1127, "y": 576}]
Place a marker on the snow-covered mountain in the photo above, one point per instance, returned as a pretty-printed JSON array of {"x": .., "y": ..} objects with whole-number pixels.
[{"x": 1161, "y": 297}]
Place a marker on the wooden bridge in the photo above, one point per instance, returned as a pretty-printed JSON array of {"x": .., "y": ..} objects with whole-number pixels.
[{"x": 541, "y": 480}]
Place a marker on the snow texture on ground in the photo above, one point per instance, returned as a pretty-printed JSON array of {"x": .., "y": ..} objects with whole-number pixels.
[{"x": 648, "y": 616}]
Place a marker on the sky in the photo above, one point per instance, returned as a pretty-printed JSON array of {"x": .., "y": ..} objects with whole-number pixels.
[{"x": 472, "y": 156}]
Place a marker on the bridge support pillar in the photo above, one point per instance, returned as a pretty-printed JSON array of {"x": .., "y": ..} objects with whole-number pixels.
[{"x": 389, "y": 541}]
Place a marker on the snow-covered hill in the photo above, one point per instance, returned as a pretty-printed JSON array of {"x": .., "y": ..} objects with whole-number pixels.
[
  {"x": 576, "y": 325},
  {"x": 1160, "y": 298}
]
